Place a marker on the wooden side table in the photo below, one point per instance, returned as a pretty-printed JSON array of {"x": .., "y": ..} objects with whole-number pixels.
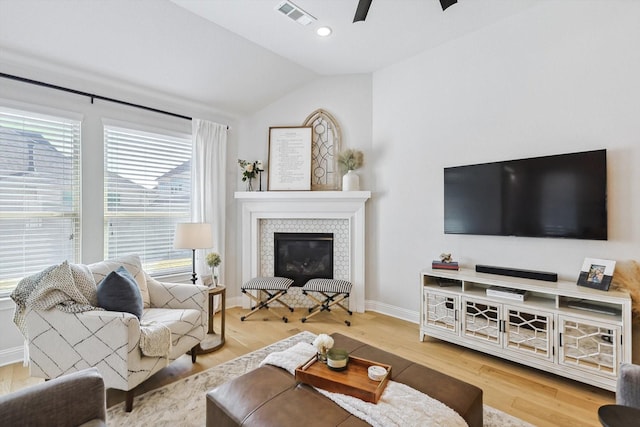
[{"x": 213, "y": 341}]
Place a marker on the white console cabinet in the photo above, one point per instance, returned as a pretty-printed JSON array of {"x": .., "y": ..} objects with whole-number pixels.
[{"x": 542, "y": 331}]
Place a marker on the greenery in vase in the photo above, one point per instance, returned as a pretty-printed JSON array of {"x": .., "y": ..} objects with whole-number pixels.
[
  {"x": 350, "y": 159},
  {"x": 213, "y": 259},
  {"x": 250, "y": 169}
]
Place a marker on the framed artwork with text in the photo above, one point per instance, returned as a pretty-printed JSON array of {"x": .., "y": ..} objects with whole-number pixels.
[{"x": 289, "y": 158}]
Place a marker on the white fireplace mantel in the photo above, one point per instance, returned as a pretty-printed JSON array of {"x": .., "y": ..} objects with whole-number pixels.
[{"x": 350, "y": 205}]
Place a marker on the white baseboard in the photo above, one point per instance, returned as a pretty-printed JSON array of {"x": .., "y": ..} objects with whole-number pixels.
[
  {"x": 11, "y": 355},
  {"x": 235, "y": 302},
  {"x": 393, "y": 311},
  {"x": 378, "y": 307}
]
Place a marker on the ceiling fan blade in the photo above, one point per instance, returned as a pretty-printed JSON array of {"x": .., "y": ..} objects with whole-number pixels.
[
  {"x": 446, "y": 3},
  {"x": 362, "y": 10}
]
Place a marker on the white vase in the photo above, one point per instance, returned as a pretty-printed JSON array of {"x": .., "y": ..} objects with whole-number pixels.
[
  {"x": 350, "y": 181},
  {"x": 214, "y": 274}
]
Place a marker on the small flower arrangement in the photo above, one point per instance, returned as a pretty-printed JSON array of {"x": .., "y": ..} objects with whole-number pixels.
[
  {"x": 250, "y": 169},
  {"x": 213, "y": 259},
  {"x": 351, "y": 159},
  {"x": 323, "y": 343}
]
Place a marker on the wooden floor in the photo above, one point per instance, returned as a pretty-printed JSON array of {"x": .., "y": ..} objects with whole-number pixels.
[{"x": 534, "y": 396}]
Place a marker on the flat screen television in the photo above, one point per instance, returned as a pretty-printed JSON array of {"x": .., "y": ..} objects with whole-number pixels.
[{"x": 561, "y": 196}]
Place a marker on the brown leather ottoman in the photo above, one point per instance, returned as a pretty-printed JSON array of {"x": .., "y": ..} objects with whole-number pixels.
[{"x": 270, "y": 396}]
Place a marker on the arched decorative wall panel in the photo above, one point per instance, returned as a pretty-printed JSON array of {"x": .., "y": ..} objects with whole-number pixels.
[{"x": 325, "y": 146}]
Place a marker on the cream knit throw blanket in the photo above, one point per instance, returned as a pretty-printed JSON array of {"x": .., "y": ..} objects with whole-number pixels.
[
  {"x": 155, "y": 339},
  {"x": 399, "y": 405},
  {"x": 71, "y": 288}
]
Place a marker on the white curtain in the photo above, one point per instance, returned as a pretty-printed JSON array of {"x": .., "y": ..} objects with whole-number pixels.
[{"x": 208, "y": 188}]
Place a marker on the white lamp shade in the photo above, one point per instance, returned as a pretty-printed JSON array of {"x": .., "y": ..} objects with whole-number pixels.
[{"x": 193, "y": 235}]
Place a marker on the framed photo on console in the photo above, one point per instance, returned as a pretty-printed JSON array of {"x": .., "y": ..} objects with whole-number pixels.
[
  {"x": 290, "y": 158},
  {"x": 596, "y": 273}
]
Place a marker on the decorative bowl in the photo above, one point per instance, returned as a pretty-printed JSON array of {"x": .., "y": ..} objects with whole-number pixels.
[{"x": 377, "y": 373}]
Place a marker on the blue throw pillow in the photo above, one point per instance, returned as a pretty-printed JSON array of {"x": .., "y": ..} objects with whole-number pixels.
[{"x": 119, "y": 292}]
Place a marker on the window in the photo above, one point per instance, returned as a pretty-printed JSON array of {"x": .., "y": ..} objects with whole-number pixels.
[
  {"x": 147, "y": 191},
  {"x": 39, "y": 193}
]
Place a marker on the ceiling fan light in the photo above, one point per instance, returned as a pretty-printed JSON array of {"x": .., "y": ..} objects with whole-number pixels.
[{"x": 324, "y": 31}]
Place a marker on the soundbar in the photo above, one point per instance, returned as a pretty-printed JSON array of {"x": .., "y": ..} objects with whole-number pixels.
[{"x": 516, "y": 272}]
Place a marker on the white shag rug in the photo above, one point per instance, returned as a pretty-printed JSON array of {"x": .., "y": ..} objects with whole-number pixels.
[{"x": 183, "y": 403}]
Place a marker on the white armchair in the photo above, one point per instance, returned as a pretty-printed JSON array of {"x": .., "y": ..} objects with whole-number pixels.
[{"x": 61, "y": 342}]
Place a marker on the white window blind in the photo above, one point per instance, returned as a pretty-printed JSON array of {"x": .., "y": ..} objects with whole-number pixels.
[
  {"x": 147, "y": 192},
  {"x": 39, "y": 193}
]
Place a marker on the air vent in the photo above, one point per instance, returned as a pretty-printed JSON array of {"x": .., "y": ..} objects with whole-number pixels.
[{"x": 294, "y": 12}]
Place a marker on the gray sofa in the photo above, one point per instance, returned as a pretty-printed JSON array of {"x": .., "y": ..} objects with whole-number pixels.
[
  {"x": 628, "y": 390},
  {"x": 76, "y": 399}
]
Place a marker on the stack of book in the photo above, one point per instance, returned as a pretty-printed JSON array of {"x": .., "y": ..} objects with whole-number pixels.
[
  {"x": 453, "y": 265},
  {"x": 510, "y": 293}
]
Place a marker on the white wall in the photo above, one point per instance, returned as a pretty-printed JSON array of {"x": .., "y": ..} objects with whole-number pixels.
[
  {"x": 347, "y": 98},
  {"x": 559, "y": 77},
  {"x": 10, "y": 338}
]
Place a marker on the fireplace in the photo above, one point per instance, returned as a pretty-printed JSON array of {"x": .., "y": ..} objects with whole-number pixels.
[
  {"x": 303, "y": 256},
  {"x": 342, "y": 213}
]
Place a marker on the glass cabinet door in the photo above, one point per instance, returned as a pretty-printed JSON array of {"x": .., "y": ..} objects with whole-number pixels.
[
  {"x": 590, "y": 345},
  {"x": 481, "y": 320},
  {"x": 528, "y": 332},
  {"x": 441, "y": 311}
]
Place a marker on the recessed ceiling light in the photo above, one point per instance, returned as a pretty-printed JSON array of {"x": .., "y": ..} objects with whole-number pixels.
[{"x": 323, "y": 31}]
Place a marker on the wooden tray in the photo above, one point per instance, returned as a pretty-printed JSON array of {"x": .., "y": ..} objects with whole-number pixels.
[{"x": 353, "y": 381}]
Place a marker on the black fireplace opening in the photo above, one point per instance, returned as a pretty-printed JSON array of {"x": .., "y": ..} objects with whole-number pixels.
[{"x": 303, "y": 256}]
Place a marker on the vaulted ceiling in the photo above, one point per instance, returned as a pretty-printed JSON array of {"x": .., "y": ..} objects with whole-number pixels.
[{"x": 232, "y": 56}]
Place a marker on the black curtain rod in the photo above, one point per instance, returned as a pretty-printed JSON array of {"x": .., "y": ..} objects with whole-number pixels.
[{"x": 92, "y": 96}]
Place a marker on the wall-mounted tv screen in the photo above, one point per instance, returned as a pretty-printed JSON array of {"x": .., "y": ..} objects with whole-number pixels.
[{"x": 553, "y": 196}]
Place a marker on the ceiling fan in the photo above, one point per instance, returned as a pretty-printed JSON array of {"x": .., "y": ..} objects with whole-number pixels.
[{"x": 363, "y": 8}]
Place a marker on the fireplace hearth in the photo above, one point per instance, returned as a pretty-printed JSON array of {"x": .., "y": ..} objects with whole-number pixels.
[{"x": 303, "y": 256}]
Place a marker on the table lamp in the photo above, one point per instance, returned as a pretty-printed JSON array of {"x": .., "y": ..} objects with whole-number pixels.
[{"x": 193, "y": 235}]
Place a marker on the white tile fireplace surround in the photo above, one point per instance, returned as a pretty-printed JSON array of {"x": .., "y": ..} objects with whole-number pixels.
[{"x": 263, "y": 213}]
